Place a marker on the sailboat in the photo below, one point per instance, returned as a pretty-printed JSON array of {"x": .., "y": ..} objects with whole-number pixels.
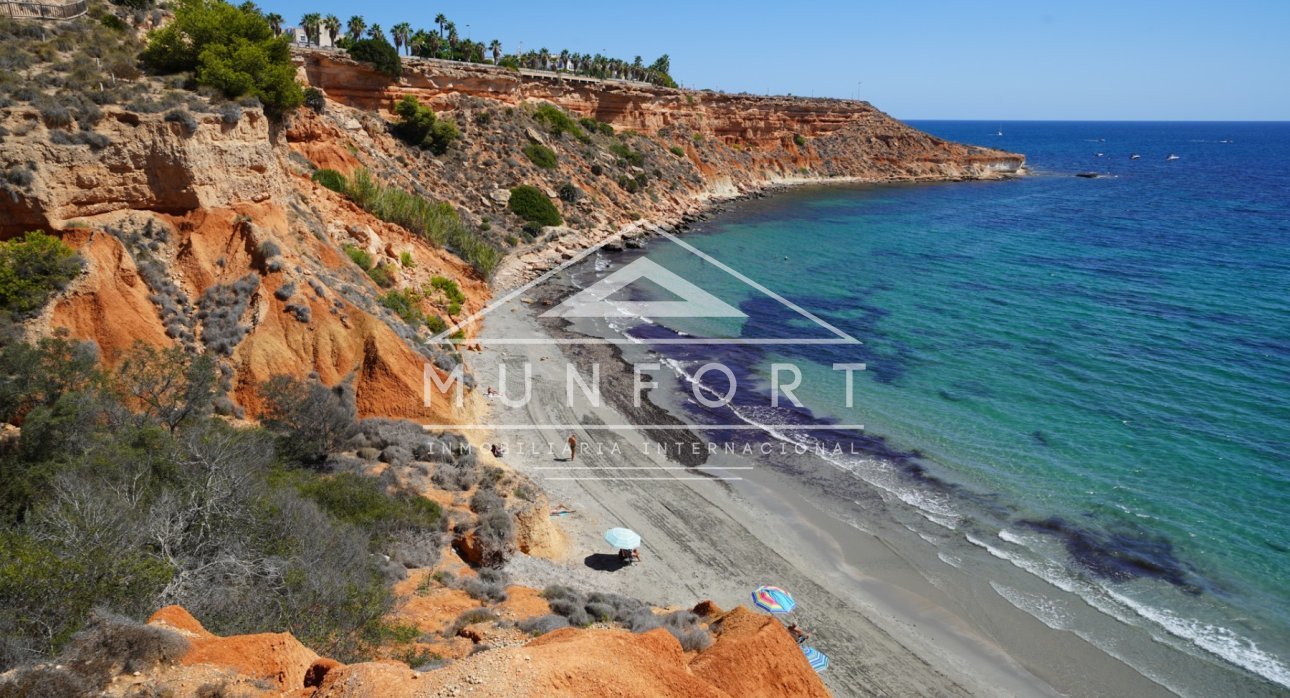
[
  {"x": 1000, "y": 131},
  {"x": 1172, "y": 157}
]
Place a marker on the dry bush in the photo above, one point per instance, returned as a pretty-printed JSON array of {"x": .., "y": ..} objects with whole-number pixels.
[
  {"x": 110, "y": 645},
  {"x": 541, "y": 625}
]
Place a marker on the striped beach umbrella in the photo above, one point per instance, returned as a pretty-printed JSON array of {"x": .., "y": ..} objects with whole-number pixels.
[
  {"x": 819, "y": 660},
  {"x": 773, "y": 599}
]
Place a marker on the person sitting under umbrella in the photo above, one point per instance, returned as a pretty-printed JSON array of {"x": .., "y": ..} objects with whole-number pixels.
[
  {"x": 633, "y": 555},
  {"x": 799, "y": 634}
]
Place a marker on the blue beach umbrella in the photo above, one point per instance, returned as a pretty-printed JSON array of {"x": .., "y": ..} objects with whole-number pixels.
[
  {"x": 623, "y": 538},
  {"x": 773, "y": 599},
  {"x": 819, "y": 660}
]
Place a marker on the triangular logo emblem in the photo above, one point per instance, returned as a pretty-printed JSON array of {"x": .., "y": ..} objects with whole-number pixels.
[{"x": 594, "y": 300}]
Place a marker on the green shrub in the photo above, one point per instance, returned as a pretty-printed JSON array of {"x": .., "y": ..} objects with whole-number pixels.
[
  {"x": 232, "y": 49},
  {"x": 627, "y": 154},
  {"x": 510, "y": 63},
  {"x": 360, "y": 257},
  {"x": 380, "y": 54},
  {"x": 331, "y": 179},
  {"x": 450, "y": 290},
  {"x": 415, "y": 120},
  {"x": 606, "y": 129},
  {"x": 57, "y": 588},
  {"x": 381, "y": 276},
  {"x": 313, "y": 98},
  {"x": 541, "y": 155},
  {"x": 436, "y": 221},
  {"x": 362, "y": 502},
  {"x": 445, "y": 131},
  {"x": 32, "y": 268},
  {"x": 405, "y": 304},
  {"x": 799, "y": 140},
  {"x": 532, "y": 205},
  {"x": 418, "y": 126},
  {"x": 557, "y": 121},
  {"x": 569, "y": 193},
  {"x": 589, "y": 124},
  {"x": 405, "y": 259},
  {"x": 677, "y": 151},
  {"x": 435, "y": 324}
]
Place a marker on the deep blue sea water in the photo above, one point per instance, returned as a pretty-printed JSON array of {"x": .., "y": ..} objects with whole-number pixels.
[{"x": 1098, "y": 369}]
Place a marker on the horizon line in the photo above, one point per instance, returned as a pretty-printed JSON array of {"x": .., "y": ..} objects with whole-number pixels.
[{"x": 1101, "y": 121}]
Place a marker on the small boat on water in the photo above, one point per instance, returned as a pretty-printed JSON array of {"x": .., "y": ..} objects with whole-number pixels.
[
  {"x": 1099, "y": 154},
  {"x": 1000, "y": 131},
  {"x": 1135, "y": 156},
  {"x": 1172, "y": 157},
  {"x": 1088, "y": 175}
]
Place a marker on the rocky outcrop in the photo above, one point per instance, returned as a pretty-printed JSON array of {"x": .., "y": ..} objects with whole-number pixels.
[
  {"x": 752, "y": 657},
  {"x": 275, "y": 660},
  {"x": 742, "y": 634},
  {"x": 535, "y": 534},
  {"x": 144, "y": 162}
]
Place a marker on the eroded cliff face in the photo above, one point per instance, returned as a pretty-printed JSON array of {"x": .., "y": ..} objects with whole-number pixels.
[
  {"x": 763, "y": 123},
  {"x": 698, "y": 145},
  {"x": 752, "y": 656},
  {"x": 145, "y": 163},
  {"x": 167, "y": 212},
  {"x": 166, "y": 217}
]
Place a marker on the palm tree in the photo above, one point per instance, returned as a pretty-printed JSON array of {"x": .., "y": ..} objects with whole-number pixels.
[
  {"x": 275, "y": 22},
  {"x": 453, "y": 39},
  {"x": 544, "y": 57},
  {"x": 495, "y": 47},
  {"x": 355, "y": 27},
  {"x": 332, "y": 25},
  {"x": 440, "y": 20},
  {"x": 564, "y": 60},
  {"x": 400, "y": 33},
  {"x": 375, "y": 32},
  {"x": 417, "y": 43},
  {"x": 311, "y": 23}
]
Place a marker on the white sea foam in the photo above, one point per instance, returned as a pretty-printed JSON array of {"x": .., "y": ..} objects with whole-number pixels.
[
  {"x": 1219, "y": 641},
  {"x": 1216, "y": 640},
  {"x": 1048, "y": 611},
  {"x": 932, "y": 506}
]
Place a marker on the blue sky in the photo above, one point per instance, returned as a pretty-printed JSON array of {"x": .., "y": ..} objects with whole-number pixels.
[{"x": 983, "y": 59}]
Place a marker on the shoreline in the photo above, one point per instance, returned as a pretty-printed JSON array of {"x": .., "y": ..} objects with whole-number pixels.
[
  {"x": 961, "y": 611},
  {"x": 516, "y": 270},
  {"x": 871, "y": 607}
]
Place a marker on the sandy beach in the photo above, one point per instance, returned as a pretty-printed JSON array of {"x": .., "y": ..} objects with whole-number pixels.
[{"x": 891, "y": 623}]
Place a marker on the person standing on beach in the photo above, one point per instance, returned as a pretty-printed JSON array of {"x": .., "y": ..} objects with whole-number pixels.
[{"x": 573, "y": 447}]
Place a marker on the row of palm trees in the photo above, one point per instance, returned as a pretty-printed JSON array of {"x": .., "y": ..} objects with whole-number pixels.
[{"x": 445, "y": 43}]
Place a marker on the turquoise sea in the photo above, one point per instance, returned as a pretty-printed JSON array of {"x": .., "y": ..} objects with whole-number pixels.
[{"x": 1088, "y": 376}]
